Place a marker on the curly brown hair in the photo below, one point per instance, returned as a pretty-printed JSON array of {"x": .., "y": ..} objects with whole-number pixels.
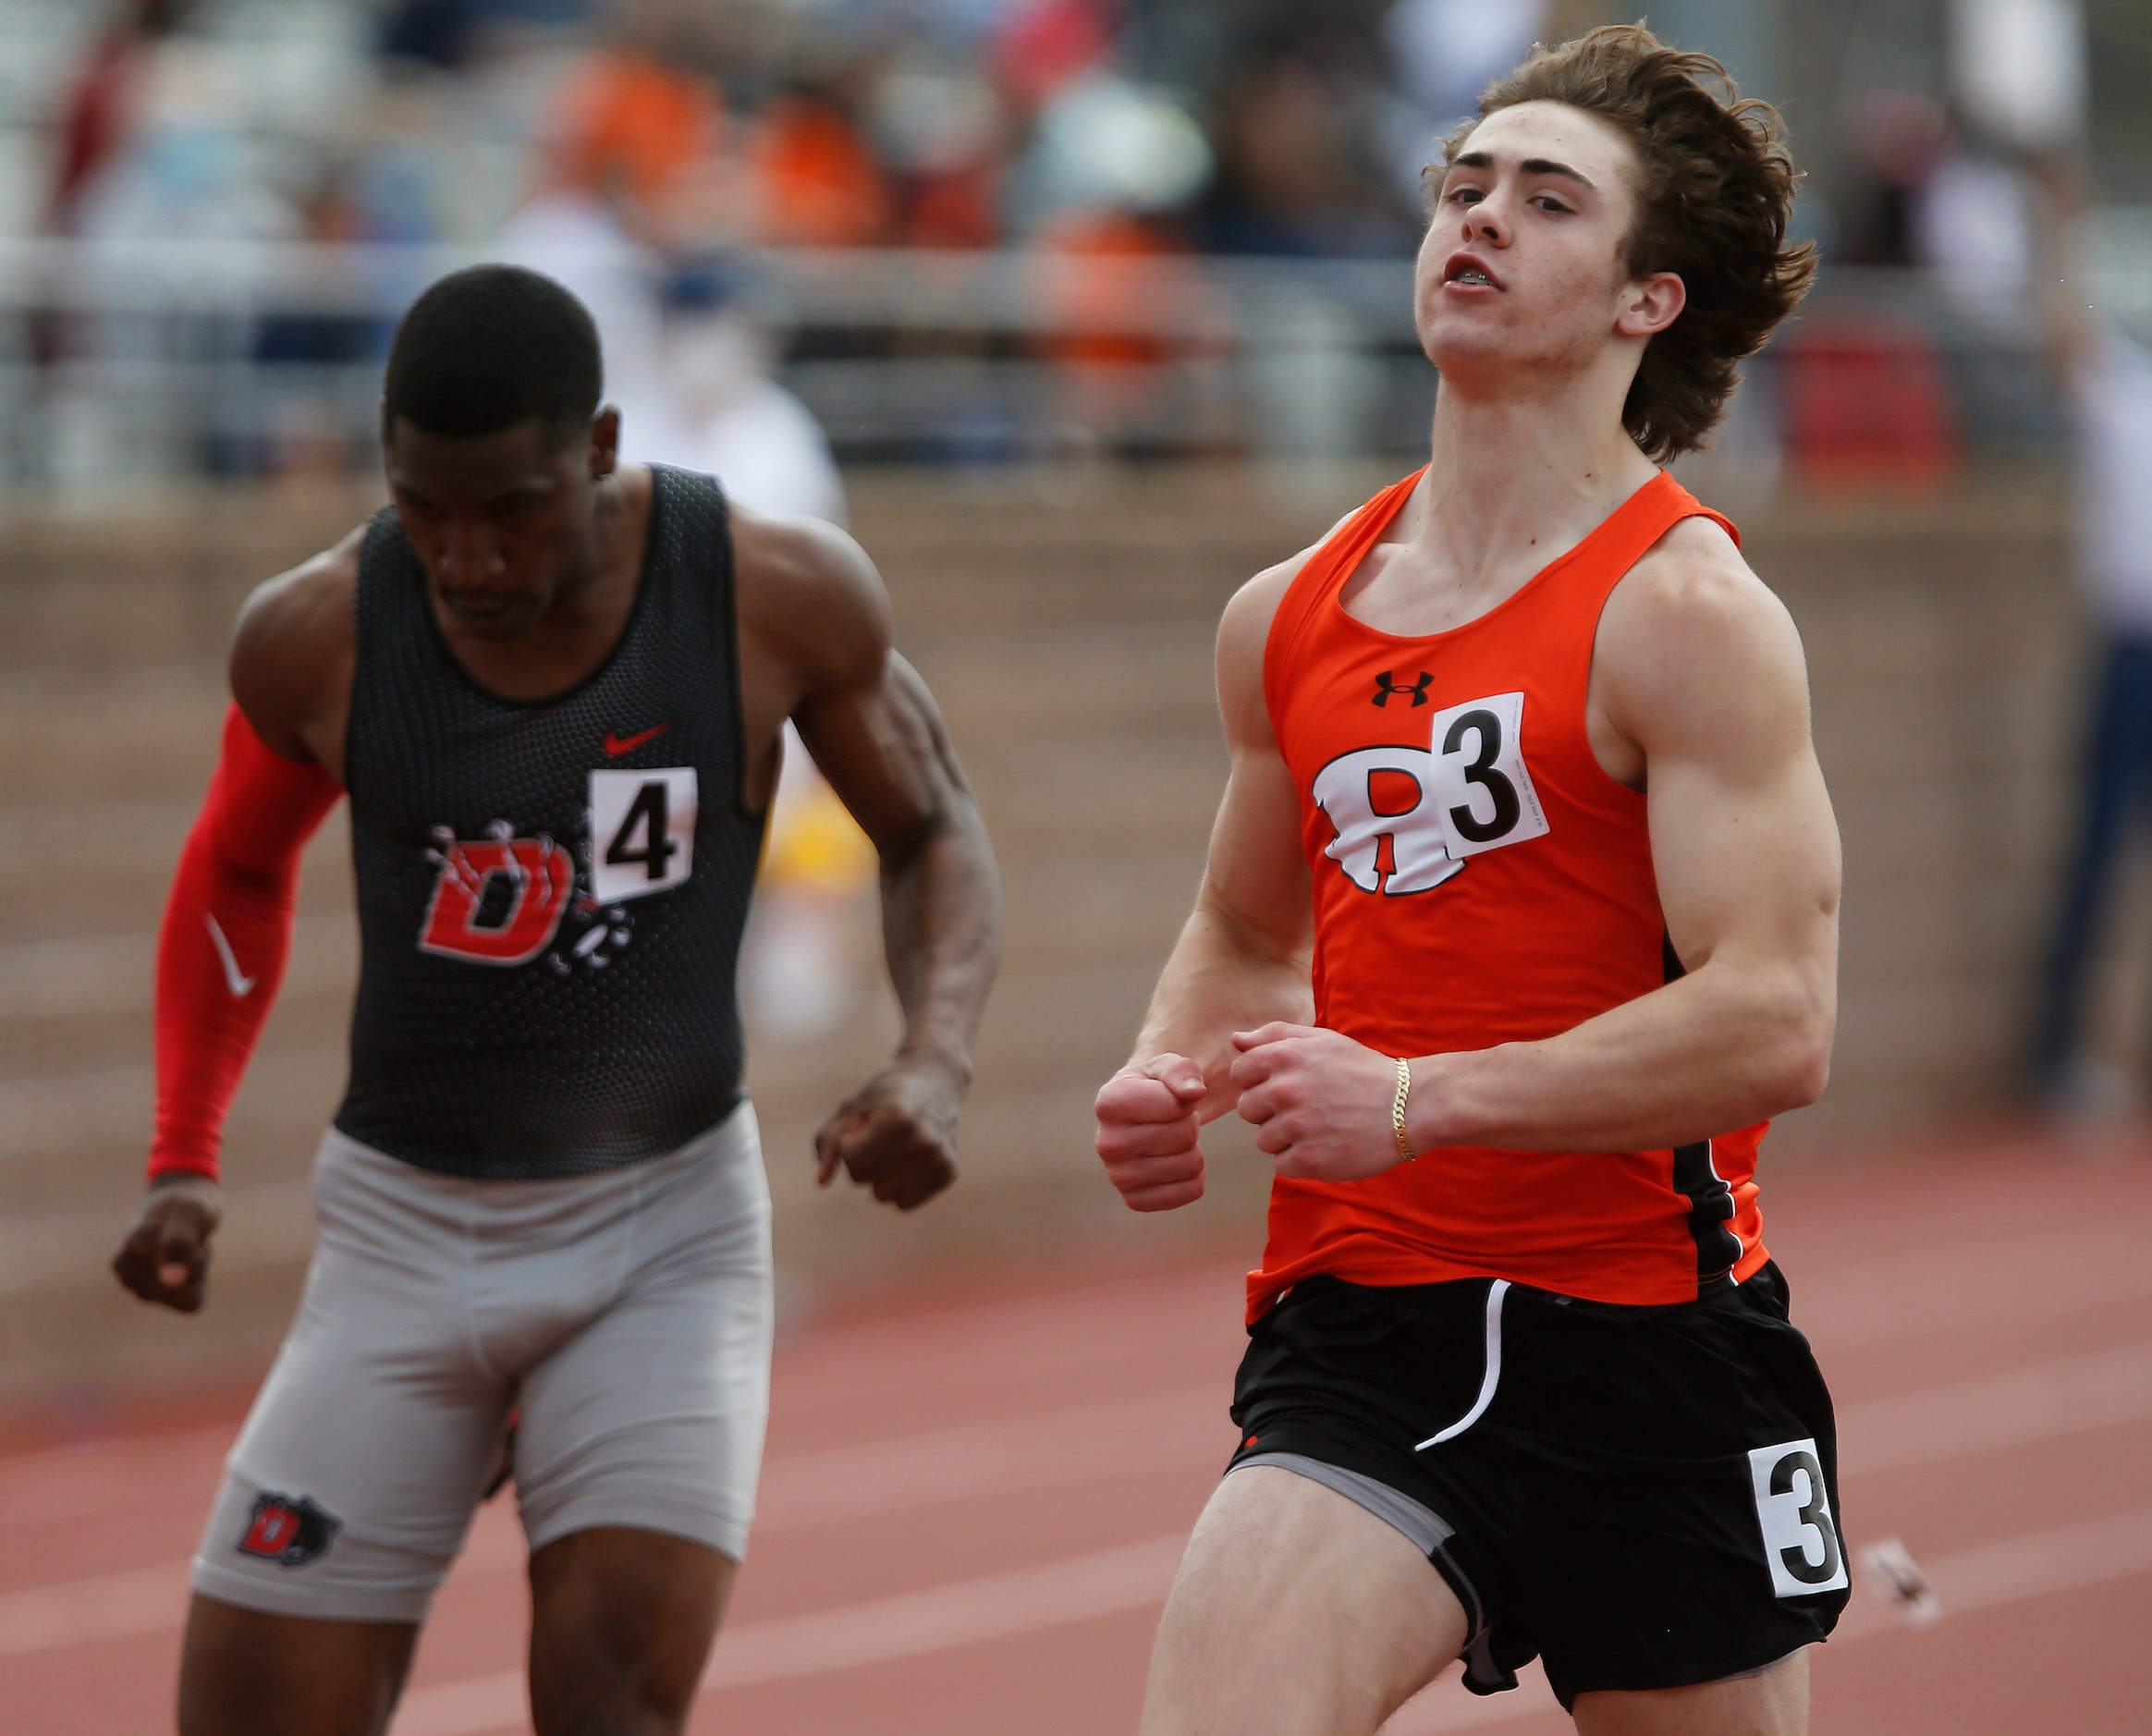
[{"x": 1716, "y": 189}]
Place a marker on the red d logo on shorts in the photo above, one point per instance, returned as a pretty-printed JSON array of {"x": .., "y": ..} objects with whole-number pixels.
[
  {"x": 286, "y": 1530},
  {"x": 498, "y": 900}
]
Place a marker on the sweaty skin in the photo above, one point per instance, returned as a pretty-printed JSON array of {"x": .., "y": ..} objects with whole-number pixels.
[
  {"x": 1295, "y": 1612},
  {"x": 532, "y": 550}
]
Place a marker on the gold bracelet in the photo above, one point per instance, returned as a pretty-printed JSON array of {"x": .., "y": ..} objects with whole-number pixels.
[{"x": 1397, "y": 1109}]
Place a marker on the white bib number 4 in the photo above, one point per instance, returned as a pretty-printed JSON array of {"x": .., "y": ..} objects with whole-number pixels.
[
  {"x": 1482, "y": 794},
  {"x": 642, "y": 832}
]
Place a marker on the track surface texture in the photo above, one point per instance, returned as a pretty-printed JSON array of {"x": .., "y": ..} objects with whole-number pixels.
[{"x": 975, "y": 1494}]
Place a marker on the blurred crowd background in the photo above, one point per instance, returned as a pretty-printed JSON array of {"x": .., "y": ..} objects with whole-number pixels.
[
  {"x": 973, "y": 231},
  {"x": 1079, "y": 311}
]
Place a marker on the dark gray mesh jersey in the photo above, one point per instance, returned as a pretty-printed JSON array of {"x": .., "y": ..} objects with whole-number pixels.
[{"x": 551, "y": 893}]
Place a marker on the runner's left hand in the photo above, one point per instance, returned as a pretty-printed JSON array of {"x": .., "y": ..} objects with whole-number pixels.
[
  {"x": 1320, "y": 1102},
  {"x": 896, "y": 1135}
]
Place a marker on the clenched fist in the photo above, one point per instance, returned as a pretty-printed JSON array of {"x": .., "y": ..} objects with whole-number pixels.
[
  {"x": 165, "y": 1257},
  {"x": 1147, "y": 1128},
  {"x": 895, "y": 1135},
  {"x": 1320, "y": 1103}
]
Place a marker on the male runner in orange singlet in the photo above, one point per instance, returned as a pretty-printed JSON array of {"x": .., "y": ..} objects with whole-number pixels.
[{"x": 1521, "y": 776}]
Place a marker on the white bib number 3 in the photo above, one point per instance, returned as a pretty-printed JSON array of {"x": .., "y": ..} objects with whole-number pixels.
[
  {"x": 642, "y": 832},
  {"x": 1482, "y": 795},
  {"x": 1801, "y": 1539}
]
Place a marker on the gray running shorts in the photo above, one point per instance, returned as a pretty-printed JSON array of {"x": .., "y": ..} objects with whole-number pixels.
[{"x": 627, "y": 1313}]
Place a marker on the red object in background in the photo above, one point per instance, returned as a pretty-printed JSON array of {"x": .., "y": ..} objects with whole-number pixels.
[
  {"x": 95, "y": 119},
  {"x": 633, "y": 126},
  {"x": 1866, "y": 406},
  {"x": 1106, "y": 277},
  {"x": 1049, "y": 43},
  {"x": 954, "y": 208},
  {"x": 818, "y": 183}
]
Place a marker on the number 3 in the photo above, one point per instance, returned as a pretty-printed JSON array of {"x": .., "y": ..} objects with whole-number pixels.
[
  {"x": 1482, "y": 791},
  {"x": 1801, "y": 1540}
]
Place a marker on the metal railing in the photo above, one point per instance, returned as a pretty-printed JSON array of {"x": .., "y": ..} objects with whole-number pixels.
[{"x": 132, "y": 363}]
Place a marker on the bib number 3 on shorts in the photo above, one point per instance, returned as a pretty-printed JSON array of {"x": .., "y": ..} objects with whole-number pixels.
[
  {"x": 643, "y": 831},
  {"x": 1801, "y": 1539}
]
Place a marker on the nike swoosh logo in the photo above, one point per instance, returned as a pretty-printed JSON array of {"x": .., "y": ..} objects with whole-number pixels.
[
  {"x": 618, "y": 745},
  {"x": 239, "y": 986}
]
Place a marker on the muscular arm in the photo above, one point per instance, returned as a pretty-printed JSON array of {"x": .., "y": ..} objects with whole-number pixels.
[
  {"x": 227, "y": 922},
  {"x": 815, "y": 606},
  {"x": 1699, "y": 674},
  {"x": 1699, "y": 696},
  {"x": 1241, "y": 960}
]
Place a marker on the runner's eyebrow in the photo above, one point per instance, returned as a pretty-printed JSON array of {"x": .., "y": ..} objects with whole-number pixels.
[{"x": 1530, "y": 165}]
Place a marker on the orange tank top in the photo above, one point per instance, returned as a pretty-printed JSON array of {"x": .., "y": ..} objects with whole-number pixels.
[{"x": 1479, "y": 879}]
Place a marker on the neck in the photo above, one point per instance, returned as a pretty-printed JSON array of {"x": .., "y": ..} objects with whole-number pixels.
[
  {"x": 1522, "y": 470},
  {"x": 605, "y": 559}
]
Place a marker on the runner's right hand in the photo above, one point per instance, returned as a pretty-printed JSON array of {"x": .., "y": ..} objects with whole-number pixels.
[
  {"x": 1147, "y": 1128},
  {"x": 165, "y": 1256}
]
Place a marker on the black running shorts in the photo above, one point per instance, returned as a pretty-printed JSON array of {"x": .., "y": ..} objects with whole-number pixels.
[{"x": 1644, "y": 1497}]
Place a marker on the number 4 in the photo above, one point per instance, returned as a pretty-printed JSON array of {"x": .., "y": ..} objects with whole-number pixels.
[
  {"x": 643, "y": 831},
  {"x": 647, "y": 813}
]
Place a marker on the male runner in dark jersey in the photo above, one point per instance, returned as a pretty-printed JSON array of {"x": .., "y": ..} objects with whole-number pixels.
[
  {"x": 1522, "y": 775},
  {"x": 553, "y": 690}
]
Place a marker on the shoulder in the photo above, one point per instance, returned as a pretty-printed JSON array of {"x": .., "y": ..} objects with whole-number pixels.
[
  {"x": 809, "y": 595},
  {"x": 1693, "y": 592},
  {"x": 293, "y": 644},
  {"x": 1691, "y": 640},
  {"x": 1245, "y": 641}
]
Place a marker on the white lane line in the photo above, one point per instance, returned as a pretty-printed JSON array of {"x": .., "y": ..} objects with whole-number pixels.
[
  {"x": 2024, "y": 1277},
  {"x": 995, "y": 1458},
  {"x": 995, "y": 1606},
  {"x": 1931, "y": 1425},
  {"x": 1857, "y": 1304},
  {"x": 1135, "y": 1576},
  {"x": 2040, "y": 1401}
]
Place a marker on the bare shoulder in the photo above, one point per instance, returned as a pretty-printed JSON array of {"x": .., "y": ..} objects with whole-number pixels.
[
  {"x": 809, "y": 596},
  {"x": 292, "y": 648},
  {"x": 1692, "y": 643},
  {"x": 1243, "y": 637},
  {"x": 1694, "y": 589}
]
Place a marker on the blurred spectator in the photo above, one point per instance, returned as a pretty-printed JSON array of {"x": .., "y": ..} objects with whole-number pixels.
[
  {"x": 1446, "y": 52},
  {"x": 1897, "y": 137},
  {"x": 635, "y": 131},
  {"x": 943, "y": 133},
  {"x": 2114, "y": 397},
  {"x": 99, "y": 113},
  {"x": 817, "y": 182},
  {"x": 436, "y": 33},
  {"x": 1299, "y": 171},
  {"x": 1046, "y": 43},
  {"x": 721, "y": 413}
]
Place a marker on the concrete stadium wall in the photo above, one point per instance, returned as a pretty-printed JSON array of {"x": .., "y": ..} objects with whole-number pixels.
[{"x": 1065, "y": 621}]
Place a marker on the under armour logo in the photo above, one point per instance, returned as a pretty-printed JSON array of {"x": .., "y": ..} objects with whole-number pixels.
[{"x": 1385, "y": 684}]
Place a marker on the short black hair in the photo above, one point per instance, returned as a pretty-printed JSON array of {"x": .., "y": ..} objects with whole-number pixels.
[{"x": 489, "y": 347}]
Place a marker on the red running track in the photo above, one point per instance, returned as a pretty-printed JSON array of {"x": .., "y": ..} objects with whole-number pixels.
[{"x": 975, "y": 1499}]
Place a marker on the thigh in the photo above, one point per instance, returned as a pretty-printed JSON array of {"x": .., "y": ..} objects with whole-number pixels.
[
  {"x": 349, "y": 1490},
  {"x": 621, "y": 1621},
  {"x": 1296, "y": 1609},
  {"x": 651, "y": 1416},
  {"x": 247, "y": 1673},
  {"x": 1773, "y": 1702}
]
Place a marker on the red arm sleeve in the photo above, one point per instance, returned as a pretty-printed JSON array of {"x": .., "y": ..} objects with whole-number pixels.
[{"x": 226, "y": 935}]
